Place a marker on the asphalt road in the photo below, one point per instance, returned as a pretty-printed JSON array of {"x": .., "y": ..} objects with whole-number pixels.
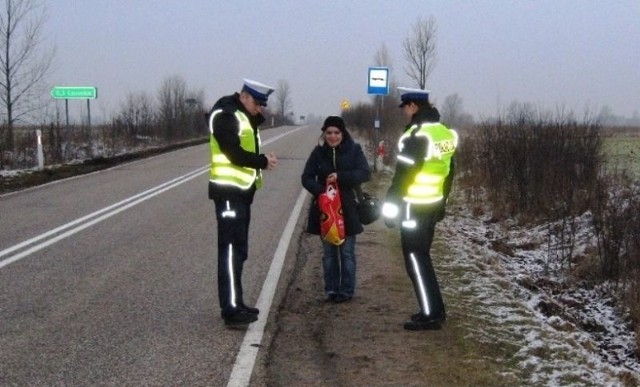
[{"x": 110, "y": 278}]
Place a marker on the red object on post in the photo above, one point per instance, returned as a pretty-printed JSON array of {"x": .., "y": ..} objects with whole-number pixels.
[{"x": 381, "y": 150}]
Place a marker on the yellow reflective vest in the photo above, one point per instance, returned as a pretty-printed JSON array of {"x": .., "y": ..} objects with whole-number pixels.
[
  {"x": 428, "y": 185},
  {"x": 224, "y": 172}
]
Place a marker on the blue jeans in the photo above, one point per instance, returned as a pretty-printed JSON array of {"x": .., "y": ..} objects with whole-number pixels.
[{"x": 339, "y": 266}]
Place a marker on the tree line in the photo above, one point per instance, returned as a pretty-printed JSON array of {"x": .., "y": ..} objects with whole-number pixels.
[{"x": 175, "y": 113}]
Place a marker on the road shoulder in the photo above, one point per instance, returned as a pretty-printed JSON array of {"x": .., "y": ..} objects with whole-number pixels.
[{"x": 362, "y": 342}]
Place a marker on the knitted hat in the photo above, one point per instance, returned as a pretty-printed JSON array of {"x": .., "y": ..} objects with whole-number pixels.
[{"x": 336, "y": 121}]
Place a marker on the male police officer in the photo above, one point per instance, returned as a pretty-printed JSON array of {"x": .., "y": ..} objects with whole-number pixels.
[
  {"x": 235, "y": 175},
  {"x": 417, "y": 196}
]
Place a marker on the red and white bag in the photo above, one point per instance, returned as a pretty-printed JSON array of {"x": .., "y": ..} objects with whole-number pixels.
[{"x": 331, "y": 218}]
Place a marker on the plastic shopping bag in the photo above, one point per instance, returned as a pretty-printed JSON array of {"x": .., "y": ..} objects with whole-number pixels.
[{"x": 331, "y": 219}]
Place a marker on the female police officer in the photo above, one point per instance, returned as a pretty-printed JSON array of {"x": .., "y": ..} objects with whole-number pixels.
[{"x": 417, "y": 196}]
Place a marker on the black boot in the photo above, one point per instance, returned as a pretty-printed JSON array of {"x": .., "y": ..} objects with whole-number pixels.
[
  {"x": 418, "y": 316},
  {"x": 420, "y": 322},
  {"x": 241, "y": 317},
  {"x": 249, "y": 309}
]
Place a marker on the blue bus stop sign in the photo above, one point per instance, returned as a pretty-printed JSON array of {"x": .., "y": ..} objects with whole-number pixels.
[{"x": 378, "y": 81}]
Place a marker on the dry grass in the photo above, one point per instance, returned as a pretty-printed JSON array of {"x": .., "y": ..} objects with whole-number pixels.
[{"x": 32, "y": 177}]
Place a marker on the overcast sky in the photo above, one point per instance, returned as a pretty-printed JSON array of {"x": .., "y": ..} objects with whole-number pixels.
[{"x": 576, "y": 54}]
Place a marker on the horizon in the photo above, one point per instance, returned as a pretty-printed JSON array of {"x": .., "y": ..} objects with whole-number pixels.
[{"x": 573, "y": 55}]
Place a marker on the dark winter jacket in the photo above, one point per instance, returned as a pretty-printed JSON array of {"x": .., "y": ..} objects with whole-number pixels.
[
  {"x": 225, "y": 130},
  {"x": 352, "y": 168}
]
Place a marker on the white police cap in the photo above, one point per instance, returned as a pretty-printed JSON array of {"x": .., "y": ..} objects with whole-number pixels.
[
  {"x": 259, "y": 91},
  {"x": 412, "y": 95}
]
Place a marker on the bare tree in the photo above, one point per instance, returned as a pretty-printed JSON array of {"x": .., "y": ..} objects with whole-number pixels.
[
  {"x": 451, "y": 109},
  {"x": 172, "y": 101},
  {"x": 453, "y": 114},
  {"x": 196, "y": 111},
  {"x": 420, "y": 50},
  {"x": 382, "y": 58},
  {"x": 137, "y": 115},
  {"x": 283, "y": 100},
  {"x": 22, "y": 63}
]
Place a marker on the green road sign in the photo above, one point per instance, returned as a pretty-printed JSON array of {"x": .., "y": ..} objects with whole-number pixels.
[{"x": 74, "y": 92}]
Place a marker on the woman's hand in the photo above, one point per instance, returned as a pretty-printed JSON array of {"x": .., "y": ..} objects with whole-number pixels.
[{"x": 332, "y": 178}]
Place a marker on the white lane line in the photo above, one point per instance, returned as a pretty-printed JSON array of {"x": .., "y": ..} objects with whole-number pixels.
[
  {"x": 245, "y": 360},
  {"x": 138, "y": 198},
  {"x": 279, "y": 136},
  {"x": 107, "y": 211},
  {"x": 93, "y": 214}
]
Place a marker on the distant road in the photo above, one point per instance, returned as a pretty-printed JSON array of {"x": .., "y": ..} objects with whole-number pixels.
[{"x": 110, "y": 278}]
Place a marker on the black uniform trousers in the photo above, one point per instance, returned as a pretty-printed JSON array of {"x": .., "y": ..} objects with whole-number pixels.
[
  {"x": 233, "y": 216},
  {"x": 417, "y": 231}
]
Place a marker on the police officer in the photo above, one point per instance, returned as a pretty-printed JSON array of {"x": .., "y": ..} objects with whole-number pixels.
[
  {"x": 235, "y": 175},
  {"x": 416, "y": 199}
]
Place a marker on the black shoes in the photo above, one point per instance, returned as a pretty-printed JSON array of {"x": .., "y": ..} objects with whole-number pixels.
[
  {"x": 241, "y": 317},
  {"x": 420, "y": 322},
  {"x": 331, "y": 297},
  {"x": 340, "y": 298},
  {"x": 337, "y": 298},
  {"x": 250, "y": 309}
]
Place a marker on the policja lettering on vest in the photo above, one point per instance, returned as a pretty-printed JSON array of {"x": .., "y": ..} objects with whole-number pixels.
[{"x": 441, "y": 142}]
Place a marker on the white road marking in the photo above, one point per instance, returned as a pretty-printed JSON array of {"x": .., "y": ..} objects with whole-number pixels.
[
  {"x": 50, "y": 238},
  {"x": 243, "y": 367},
  {"x": 245, "y": 360},
  {"x": 91, "y": 219}
]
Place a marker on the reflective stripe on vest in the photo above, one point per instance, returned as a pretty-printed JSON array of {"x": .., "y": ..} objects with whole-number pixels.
[
  {"x": 224, "y": 172},
  {"x": 428, "y": 184}
]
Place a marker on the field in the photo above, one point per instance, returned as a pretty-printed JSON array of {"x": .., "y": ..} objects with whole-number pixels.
[{"x": 623, "y": 151}]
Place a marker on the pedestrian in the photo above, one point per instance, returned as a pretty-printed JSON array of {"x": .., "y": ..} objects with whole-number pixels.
[
  {"x": 417, "y": 196},
  {"x": 337, "y": 159},
  {"x": 235, "y": 175}
]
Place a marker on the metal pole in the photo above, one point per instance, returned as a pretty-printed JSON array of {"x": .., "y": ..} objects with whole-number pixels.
[
  {"x": 89, "y": 112},
  {"x": 66, "y": 111},
  {"x": 376, "y": 127},
  {"x": 67, "y": 141}
]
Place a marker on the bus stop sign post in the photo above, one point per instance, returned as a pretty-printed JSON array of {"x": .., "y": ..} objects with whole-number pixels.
[{"x": 378, "y": 85}]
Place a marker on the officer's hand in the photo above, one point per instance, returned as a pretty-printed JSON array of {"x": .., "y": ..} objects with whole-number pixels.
[
  {"x": 390, "y": 223},
  {"x": 390, "y": 212},
  {"x": 272, "y": 160}
]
